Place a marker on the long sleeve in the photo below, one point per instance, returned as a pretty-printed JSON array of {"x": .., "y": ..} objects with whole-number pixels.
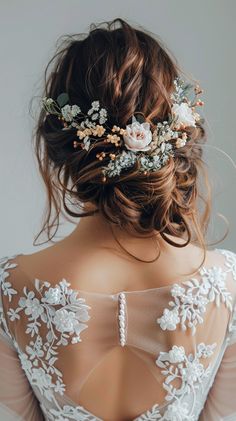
[
  {"x": 17, "y": 399},
  {"x": 221, "y": 401}
]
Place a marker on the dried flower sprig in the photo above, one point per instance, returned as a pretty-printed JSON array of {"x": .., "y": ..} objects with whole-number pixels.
[{"x": 151, "y": 147}]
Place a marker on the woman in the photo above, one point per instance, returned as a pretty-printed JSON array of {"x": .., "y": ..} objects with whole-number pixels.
[{"x": 89, "y": 330}]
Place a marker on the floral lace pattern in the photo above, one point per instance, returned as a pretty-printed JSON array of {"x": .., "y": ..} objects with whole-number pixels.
[
  {"x": 190, "y": 301},
  {"x": 64, "y": 314},
  {"x": 190, "y": 372},
  {"x": 230, "y": 261}
]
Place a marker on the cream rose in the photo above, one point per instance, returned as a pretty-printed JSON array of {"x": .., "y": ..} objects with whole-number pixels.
[
  {"x": 184, "y": 115},
  {"x": 137, "y": 136}
]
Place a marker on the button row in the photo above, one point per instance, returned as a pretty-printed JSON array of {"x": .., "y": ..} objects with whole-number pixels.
[{"x": 122, "y": 318}]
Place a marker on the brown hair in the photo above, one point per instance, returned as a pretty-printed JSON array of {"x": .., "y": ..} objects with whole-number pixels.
[{"x": 128, "y": 71}]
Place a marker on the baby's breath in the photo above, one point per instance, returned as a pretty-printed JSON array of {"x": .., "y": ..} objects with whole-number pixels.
[{"x": 156, "y": 145}]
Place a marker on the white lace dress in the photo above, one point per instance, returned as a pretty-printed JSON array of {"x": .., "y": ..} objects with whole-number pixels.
[{"x": 52, "y": 334}]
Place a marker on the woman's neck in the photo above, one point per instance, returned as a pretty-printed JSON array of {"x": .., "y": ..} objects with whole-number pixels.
[{"x": 95, "y": 231}]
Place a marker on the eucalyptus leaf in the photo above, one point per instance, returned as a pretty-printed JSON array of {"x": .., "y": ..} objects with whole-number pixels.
[
  {"x": 140, "y": 118},
  {"x": 63, "y": 99}
]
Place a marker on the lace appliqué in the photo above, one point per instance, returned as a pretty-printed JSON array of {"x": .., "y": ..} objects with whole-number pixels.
[
  {"x": 65, "y": 315},
  {"x": 6, "y": 287},
  {"x": 230, "y": 262},
  {"x": 68, "y": 412},
  {"x": 191, "y": 297},
  {"x": 190, "y": 372}
]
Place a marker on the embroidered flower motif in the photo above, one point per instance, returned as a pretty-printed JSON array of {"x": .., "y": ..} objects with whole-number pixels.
[
  {"x": 137, "y": 136},
  {"x": 177, "y": 290},
  {"x": 204, "y": 351},
  {"x": 215, "y": 277},
  {"x": 192, "y": 372},
  {"x": 13, "y": 314},
  {"x": 191, "y": 298},
  {"x": 184, "y": 115},
  {"x": 41, "y": 378},
  {"x": 169, "y": 320},
  {"x": 52, "y": 296},
  {"x": 25, "y": 362},
  {"x": 66, "y": 321},
  {"x": 230, "y": 261},
  {"x": 41, "y": 353},
  {"x": 176, "y": 354},
  {"x": 187, "y": 368},
  {"x": 35, "y": 350},
  {"x": 6, "y": 286},
  {"x": 31, "y": 304}
]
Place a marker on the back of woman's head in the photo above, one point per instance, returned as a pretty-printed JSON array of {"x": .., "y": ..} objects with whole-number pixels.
[{"x": 129, "y": 72}]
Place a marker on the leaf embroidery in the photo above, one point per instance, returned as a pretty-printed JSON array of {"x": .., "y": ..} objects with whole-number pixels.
[
  {"x": 230, "y": 261},
  {"x": 191, "y": 298},
  {"x": 65, "y": 315}
]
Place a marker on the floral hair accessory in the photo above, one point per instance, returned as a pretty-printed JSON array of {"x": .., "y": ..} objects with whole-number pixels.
[{"x": 138, "y": 142}]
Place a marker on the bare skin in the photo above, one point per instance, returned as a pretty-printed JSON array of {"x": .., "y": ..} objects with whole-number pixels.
[
  {"x": 92, "y": 243},
  {"x": 92, "y": 260}
]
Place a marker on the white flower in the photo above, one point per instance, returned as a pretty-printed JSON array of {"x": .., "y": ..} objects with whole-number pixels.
[
  {"x": 125, "y": 160},
  {"x": 180, "y": 143},
  {"x": 103, "y": 116},
  {"x": 177, "y": 290},
  {"x": 204, "y": 287},
  {"x": 25, "y": 362},
  {"x": 75, "y": 109},
  {"x": 47, "y": 101},
  {"x": 13, "y": 314},
  {"x": 94, "y": 116},
  {"x": 205, "y": 351},
  {"x": 66, "y": 112},
  {"x": 169, "y": 320},
  {"x": 70, "y": 111},
  {"x": 177, "y": 354},
  {"x": 216, "y": 276},
  {"x": 86, "y": 143},
  {"x": 193, "y": 371},
  {"x": 95, "y": 106},
  {"x": 52, "y": 296},
  {"x": 184, "y": 115},
  {"x": 189, "y": 298},
  {"x": 59, "y": 387},
  {"x": 41, "y": 378},
  {"x": 168, "y": 135},
  {"x": 138, "y": 136},
  {"x": 75, "y": 340},
  {"x": 31, "y": 305},
  {"x": 34, "y": 352},
  {"x": 64, "y": 320}
]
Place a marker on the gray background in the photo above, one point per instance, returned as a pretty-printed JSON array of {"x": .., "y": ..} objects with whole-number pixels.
[{"x": 201, "y": 35}]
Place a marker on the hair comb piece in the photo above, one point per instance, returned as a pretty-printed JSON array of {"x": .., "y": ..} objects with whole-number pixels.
[{"x": 138, "y": 141}]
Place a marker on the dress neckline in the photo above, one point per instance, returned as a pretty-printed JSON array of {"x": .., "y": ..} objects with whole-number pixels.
[{"x": 117, "y": 294}]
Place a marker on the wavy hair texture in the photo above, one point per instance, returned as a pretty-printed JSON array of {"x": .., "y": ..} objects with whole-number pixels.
[{"x": 129, "y": 71}]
